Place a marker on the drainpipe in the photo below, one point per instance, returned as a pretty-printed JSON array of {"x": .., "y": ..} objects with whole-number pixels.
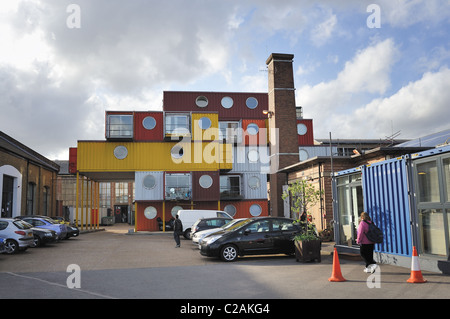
[{"x": 321, "y": 199}]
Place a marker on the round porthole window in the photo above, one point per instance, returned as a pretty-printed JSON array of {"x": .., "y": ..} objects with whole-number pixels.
[
  {"x": 149, "y": 123},
  {"x": 175, "y": 210},
  {"x": 177, "y": 152},
  {"x": 252, "y": 129},
  {"x": 227, "y": 102},
  {"x": 120, "y": 152},
  {"x": 253, "y": 156},
  {"x": 149, "y": 182},
  {"x": 204, "y": 123},
  {"x": 230, "y": 209},
  {"x": 301, "y": 129},
  {"x": 254, "y": 182},
  {"x": 205, "y": 181},
  {"x": 251, "y": 103},
  {"x": 150, "y": 212},
  {"x": 201, "y": 101},
  {"x": 255, "y": 210},
  {"x": 303, "y": 155}
]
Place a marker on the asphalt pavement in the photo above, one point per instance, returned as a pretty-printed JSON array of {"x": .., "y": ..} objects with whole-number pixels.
[{"x": 115, "y": 264}]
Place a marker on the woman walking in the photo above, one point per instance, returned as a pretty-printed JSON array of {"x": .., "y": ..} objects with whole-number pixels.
[{"x": 365, "y": 245}]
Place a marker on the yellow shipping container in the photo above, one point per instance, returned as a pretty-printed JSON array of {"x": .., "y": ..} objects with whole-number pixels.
[
  {"x": 205, "y": 126},
  {"x": 105, "y": 156}
]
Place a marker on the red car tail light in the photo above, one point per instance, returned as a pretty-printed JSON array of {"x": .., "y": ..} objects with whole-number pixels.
[{"x": 20, "y": 232}]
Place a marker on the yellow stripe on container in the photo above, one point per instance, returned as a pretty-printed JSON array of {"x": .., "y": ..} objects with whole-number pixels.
[{"x": 105, "y": 156}]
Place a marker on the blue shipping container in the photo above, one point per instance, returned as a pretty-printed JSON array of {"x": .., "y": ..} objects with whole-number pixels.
[{"x": 385, "y": 191}]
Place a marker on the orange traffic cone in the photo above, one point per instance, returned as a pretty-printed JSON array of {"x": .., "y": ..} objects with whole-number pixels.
[
  {"x": 336, "y": 275},
  {"x": 416, "y": 273}
]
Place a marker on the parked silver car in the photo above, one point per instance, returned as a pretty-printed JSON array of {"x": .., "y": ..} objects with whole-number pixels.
[
  {"x": 198, "y": 236},
  {"x": 2, "y": 246},
  {"x": 17, "y": 234}
]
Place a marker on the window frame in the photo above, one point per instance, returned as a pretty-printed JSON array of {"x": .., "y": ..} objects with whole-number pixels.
[
  {"x": 180, "y": 191},
  {"x": 170, "y": 129},
  {"x": 121, "y": 127},
  {"x": 229, "y": 187},
  {"x": 426, "y": 210}
]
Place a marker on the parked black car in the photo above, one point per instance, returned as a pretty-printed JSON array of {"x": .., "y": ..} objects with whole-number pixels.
[
  {"x": 168, "y": 223},
  {"x": 43, "y": 236},
  {"x": 252, "y": 236},
  {"x": 72, "y": 231},
  {"x": 209, "y": 223}
]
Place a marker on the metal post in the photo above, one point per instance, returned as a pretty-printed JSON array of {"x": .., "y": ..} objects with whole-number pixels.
[
  {"x": 135, "y": 216},
  {"x": 77, "y": 204},
  {"x": 82, "y": 203},
  {"x": 98, "y": 205},
  {"x": 164, "y": 217},
  {"x": 92, "y": 205}
]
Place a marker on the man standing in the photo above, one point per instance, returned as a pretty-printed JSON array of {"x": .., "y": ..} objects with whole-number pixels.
[{"x": 177, "y": 230}]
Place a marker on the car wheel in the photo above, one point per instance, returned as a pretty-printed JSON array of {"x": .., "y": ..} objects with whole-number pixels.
[
  {"x": 11, "y": 246},
  {"x": 36, "y": 242},
  {"x": 187, "y": 233},
  {"x": 229, "y": 253}
]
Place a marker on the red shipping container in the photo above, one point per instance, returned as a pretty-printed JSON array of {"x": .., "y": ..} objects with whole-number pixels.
[
  {"x": 244, "y": 207},
  {"x": 305, "y": 132},
  {"x": 261, "y": 136},
  {"x": 206, "y": 186},
  {"x": 73, "y": 160},
  {"x": 148, "y": 126},
  {"x": 230, "y": 106}
]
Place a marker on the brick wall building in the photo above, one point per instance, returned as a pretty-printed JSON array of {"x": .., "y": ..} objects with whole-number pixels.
[{"x": 27, "y": 180}]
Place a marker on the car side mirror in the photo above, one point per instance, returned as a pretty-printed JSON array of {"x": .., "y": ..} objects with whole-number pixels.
[{"x": 247, "y": 231}]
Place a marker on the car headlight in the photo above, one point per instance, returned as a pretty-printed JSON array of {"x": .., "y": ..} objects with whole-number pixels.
[{"x": 212, "y": 239}]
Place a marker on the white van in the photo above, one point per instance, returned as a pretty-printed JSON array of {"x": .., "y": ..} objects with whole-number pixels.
[{"x": 189, "y": 216}]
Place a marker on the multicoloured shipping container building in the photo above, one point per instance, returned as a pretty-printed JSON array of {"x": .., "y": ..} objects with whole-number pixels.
[{"x": 204, "y": 150}]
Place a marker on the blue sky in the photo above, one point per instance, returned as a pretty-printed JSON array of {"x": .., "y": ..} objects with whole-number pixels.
[{"x": 352, "y": 80}]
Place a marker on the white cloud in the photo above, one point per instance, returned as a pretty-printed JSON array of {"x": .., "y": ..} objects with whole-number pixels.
[
  {"x": 323, "y": 31},
  {"x": 367, "y": 72},
  {"x": 419, "y": 108},
  {"x": 404, "y": 13}
]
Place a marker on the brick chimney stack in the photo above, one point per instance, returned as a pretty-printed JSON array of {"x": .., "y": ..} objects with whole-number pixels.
[{"x": 282, "y": 119}]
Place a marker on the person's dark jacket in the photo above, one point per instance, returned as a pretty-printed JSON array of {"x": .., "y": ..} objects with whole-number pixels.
[{"x": 178, "y": 226}]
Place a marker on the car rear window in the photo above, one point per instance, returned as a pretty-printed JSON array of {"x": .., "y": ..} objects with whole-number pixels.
[
  {"x": 21, "y": 225},
  {"x": 216, "y": 222},
  {"x": 51, "y": 221},
  {"x": 3, "y": 225}
]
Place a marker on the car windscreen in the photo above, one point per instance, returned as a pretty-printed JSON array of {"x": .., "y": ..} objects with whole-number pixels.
[
  {"x": 239, "y": 224},
  {"x": 230, "y": 223}
]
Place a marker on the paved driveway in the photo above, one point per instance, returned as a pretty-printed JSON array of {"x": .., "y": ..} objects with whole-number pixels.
[{"x": 117, "y": 265}]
